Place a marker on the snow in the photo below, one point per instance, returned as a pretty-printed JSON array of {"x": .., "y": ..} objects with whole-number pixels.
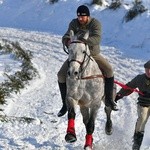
[{"x": 38, "y": 26}]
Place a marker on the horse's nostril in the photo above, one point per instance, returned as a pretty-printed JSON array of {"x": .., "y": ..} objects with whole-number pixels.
[{"x": 75, "y": 73}]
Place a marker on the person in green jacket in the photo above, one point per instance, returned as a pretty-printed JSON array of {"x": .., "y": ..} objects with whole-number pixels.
[
  {"x": 83, "y": 23},
  {"x": 142, "y": 82}
]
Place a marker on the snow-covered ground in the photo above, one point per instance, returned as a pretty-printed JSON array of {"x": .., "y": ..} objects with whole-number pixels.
[{"x": 41, "y": 26}]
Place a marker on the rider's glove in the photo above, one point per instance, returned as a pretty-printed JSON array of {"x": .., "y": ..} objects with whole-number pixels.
[{"x": 66, "y": 42}]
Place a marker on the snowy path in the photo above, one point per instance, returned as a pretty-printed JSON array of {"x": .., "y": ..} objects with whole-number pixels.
[{"x": 41, "y": 100}]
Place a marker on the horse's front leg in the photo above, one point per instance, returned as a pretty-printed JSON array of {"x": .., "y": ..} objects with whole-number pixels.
[
  {"x": 71, "y": 135},
  {"x": 89, "y": 121},
  {"x": 89, "y": 129},
  {"x": 108, "y": 126}
]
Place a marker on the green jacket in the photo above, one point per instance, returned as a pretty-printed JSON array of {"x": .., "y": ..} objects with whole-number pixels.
[
  {"x": 143, "y": 84},
  {"x": 94, "y": 28}
]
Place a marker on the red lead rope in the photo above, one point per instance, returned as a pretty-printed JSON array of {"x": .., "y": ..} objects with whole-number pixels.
[
  {"x": 120, "y": 84},
  {"x": 128, "y": 88}
]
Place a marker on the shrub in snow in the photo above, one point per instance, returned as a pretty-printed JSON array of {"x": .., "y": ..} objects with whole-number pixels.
[
  {"x": 17, "y": 81},
  {"x": 137, "y": 9}
]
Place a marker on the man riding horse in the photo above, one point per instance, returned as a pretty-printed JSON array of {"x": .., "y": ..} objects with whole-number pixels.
[{"x": 82, "y": 23}]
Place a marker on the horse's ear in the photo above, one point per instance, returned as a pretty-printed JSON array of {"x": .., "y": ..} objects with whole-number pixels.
[{"x": 86, "y": 35}]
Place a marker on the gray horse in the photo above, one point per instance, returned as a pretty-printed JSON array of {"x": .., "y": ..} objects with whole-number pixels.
[{"x": 85, "y": 87}]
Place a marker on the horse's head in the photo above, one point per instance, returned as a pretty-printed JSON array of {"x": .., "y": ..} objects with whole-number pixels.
[{"x": 78, "y": 54}]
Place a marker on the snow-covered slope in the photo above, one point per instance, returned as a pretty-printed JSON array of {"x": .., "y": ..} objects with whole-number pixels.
[{"x": 125, "y": 45}]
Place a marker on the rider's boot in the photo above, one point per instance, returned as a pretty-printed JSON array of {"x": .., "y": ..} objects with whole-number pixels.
[
  {"x": 63, "y": 89},
  {"x": 137, "y": 140},
  {"x": 109, "y": 85}
]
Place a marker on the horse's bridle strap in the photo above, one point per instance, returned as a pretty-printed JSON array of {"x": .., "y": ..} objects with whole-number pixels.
[
  {"x": 76, "y": 61},
  {"x": 76, "y": 41},
  {"x": 92, "y": 77}
]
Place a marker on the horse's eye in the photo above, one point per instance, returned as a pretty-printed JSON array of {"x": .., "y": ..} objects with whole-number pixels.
[{"x": 84, "y": 52}]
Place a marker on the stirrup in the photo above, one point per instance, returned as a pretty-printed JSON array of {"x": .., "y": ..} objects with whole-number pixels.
[{"x": 113, "y": 107}]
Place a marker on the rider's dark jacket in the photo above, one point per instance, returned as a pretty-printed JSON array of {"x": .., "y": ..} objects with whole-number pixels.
[{"x": 94, "y": 28}]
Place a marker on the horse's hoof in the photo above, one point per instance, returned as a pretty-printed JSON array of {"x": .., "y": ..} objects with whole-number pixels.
[
  {"x": 109, "y": 128},
  {"x": 70, "y": 138},
  {"x": 88, "y": 148}
]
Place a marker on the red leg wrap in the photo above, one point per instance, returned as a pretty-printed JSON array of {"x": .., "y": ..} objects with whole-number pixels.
[
  {"x": 71, "y": 128},
  {"x": 89, "y": 140}
]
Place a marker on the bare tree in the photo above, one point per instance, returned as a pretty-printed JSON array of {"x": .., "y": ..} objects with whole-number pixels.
[
  {"x": 113, "y": 1},
  {"x": 138, "y": 1},
  {"x": 98, "y": 2},
  {"x": 115, "y": 4},
  {"x": 137, "y": 9},
  {"x": 52, "y": 1}
]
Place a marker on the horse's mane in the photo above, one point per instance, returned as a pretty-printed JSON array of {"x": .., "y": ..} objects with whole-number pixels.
[{"x": 81, "y": 34}]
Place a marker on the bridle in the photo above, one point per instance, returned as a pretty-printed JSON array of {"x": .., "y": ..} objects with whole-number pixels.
[
  {"x": 82, "y": 69},
  {"x": 81, "y": 63}
]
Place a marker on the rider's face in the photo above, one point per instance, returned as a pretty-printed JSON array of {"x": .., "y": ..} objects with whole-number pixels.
[
  {"x": 83, "y": 19},
  {"x": 147, "y": 72}
]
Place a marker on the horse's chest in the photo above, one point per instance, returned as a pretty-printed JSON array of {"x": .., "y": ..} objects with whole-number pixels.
[
  {"x": 76, "y": 92},
  {"x": 80, "y": 89}
]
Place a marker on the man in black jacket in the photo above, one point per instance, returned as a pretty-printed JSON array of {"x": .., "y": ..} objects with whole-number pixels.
[{"x": 142, "y": 82}]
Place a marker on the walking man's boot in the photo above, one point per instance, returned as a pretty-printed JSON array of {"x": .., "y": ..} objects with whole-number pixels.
[{"x": 137, "y": 140}]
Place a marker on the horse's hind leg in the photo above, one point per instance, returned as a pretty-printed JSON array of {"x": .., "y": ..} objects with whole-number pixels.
[
  {"x": 71, "y": 136},
  {"x": 108, "y": 126},
  {"x": 108, "y": 110}
]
